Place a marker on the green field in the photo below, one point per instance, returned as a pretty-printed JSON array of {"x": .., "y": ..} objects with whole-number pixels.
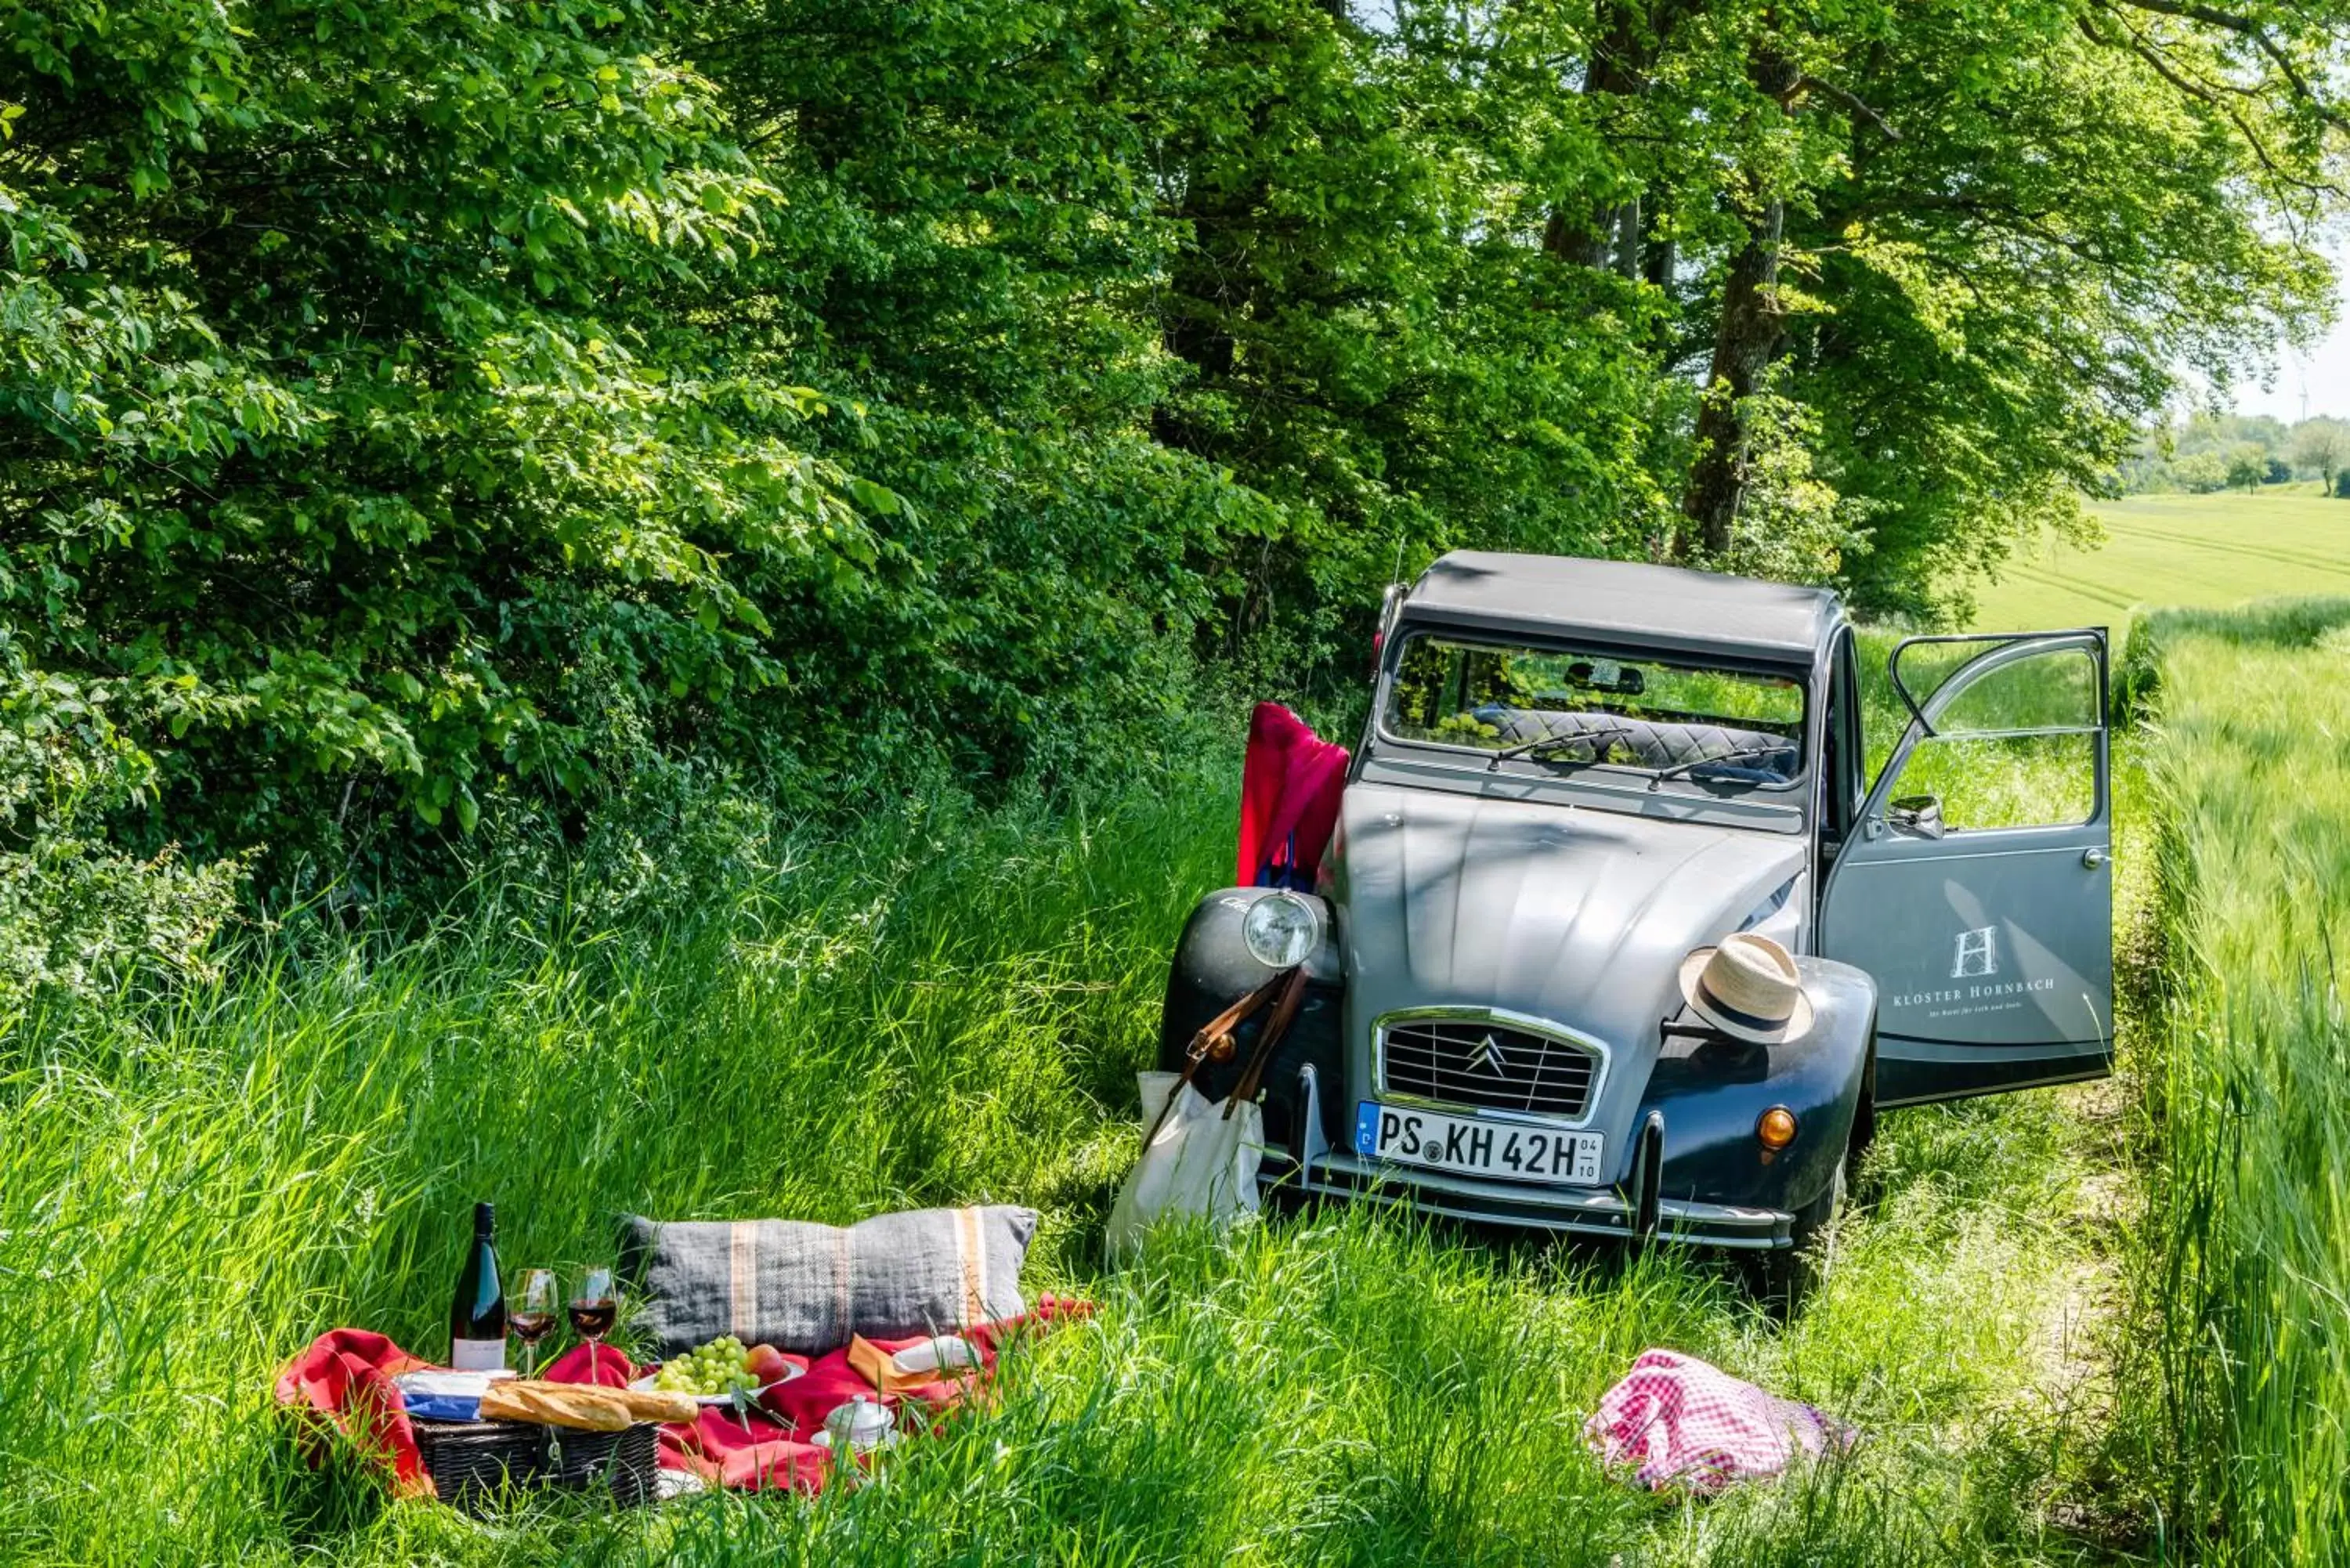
[
  {"x": 950, "y": 1009},
  {"x": 2063, "y": 1319},
  {"x": 2201, "y": 551}
]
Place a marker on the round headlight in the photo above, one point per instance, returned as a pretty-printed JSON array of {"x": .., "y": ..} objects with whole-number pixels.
[{"x": 1282, "y": 931}]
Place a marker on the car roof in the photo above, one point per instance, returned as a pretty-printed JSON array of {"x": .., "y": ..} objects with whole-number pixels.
[{"x": 1628, "y": 601}]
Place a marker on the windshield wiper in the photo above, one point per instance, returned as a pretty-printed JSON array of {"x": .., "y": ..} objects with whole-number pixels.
[
  {"x": 1680, "y": 770},
  {"x": 1542, "y": 742}
]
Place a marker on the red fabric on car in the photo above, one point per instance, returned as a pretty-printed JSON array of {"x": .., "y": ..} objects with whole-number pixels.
[
  {"x": 1289, "y": 783},
  {"x": 1680, "y": 1421}
]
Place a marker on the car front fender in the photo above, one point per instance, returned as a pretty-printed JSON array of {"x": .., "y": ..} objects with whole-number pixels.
[
  {"x": 1712, "y": 1092},
  {"x": 1212, "y": 969}
]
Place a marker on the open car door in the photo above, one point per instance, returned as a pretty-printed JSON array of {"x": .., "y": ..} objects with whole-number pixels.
[{"x": 1978, "y": 888}]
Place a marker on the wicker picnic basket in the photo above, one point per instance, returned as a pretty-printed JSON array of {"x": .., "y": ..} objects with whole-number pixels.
[
  {"x": 473, "y": 1464},
  {"x": 622, "y": 1462}
]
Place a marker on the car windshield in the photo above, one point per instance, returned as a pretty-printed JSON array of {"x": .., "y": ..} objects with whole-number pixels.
[{"x": 1559, "y": 705}]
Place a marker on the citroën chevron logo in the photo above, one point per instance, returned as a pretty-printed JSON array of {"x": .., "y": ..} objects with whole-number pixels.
[{"x": 1488, "y": 1057}]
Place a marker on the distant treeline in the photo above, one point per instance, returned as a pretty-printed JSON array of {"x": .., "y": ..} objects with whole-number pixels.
[
  {"x": 412, "y": 410},
  {"x": 2206, "y": 453}
]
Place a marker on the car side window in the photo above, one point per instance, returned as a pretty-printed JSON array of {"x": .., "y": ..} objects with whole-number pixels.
[{"x": 2015, "y": 747}]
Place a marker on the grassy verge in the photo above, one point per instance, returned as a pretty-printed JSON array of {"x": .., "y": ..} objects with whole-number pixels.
[
  {"x": 950, "y": 1009},
  {"x": 2246, "y": 1409}
]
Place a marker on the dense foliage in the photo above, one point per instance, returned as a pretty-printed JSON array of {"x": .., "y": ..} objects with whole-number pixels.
[{"x": 417, "y": 409}]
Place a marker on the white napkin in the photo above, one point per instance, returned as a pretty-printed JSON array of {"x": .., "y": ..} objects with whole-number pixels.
[
  {"x": 447, "y": 1385},
  {"x": 944, "y": 1352}
]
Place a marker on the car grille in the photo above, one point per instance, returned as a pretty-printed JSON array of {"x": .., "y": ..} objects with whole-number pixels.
[{"x": 1449, "y": 1060}]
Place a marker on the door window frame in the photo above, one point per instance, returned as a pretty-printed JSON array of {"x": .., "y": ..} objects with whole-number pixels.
[
  {"x": 1843, "y": 771},
  {"x": 2008, "y": 648}
]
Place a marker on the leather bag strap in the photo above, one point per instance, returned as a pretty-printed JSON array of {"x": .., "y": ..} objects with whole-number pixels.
[
  {"x": 1293, "y": 993},
  {"x": 1213, "y": 1040}
]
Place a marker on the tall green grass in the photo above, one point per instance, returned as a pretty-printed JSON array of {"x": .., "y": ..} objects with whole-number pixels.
[
  {"x": 946, "y": 1006},
  {"x": 2249, "y": 1417}
]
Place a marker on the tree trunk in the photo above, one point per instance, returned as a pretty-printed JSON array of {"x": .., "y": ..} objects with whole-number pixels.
[
  {"x": 1608, "y": 236},
  {"x": 1662, "y": 255},
  {"x": 1749, "y": 336}
]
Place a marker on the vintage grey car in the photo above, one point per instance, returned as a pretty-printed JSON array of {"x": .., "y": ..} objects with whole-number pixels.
[{"x": 1577, "y": 773}]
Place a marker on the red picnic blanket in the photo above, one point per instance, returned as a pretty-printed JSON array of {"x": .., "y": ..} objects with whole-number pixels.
[{"x": 344, "y": 1382}]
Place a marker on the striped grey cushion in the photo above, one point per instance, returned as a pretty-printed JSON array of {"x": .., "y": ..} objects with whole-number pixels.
[{"x": 807, "y": 1288}]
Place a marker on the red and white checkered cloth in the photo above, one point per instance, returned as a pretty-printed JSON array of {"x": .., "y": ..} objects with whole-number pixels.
[{"x": 1684, "y": 1422}]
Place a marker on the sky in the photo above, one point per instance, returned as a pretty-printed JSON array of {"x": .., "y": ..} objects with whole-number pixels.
[{"x": 2321, "y": 374}]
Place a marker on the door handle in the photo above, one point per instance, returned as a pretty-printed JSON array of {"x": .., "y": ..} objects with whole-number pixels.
[{"x": 2093, "y": 858}]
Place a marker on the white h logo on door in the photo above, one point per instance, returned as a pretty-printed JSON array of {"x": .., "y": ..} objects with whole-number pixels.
[{"x": 1977, "y": 953}]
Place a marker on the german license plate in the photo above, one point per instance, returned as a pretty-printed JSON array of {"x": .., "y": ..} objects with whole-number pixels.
[{"x": 1472, "y": 1146}]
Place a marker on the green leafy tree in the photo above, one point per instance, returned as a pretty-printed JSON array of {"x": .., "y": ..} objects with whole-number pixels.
[
  {"x": 1373, "y": 331},
  {"x": 335, "y": 388},
  {"x": 2248, "y": 466},
  {"x": 82, "y": 920},
  {"x": 2201, "y": 472},
  {"x": 1981, "y": 239},
  {"x": 2006, "y": 290},
  {"x": 969, "y": 247},
  {"x": 2322, "y": 446}
]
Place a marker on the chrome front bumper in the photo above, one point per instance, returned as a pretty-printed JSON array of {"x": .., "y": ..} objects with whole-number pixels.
[{"x": 1637, "y": 1212}]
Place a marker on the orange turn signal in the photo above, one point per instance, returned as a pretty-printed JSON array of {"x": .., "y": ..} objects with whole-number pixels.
[{"x": 1774, "y": 1129}]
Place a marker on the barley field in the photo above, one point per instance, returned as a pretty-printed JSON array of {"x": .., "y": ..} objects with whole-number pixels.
[{"x": 2245, "y": 1273}]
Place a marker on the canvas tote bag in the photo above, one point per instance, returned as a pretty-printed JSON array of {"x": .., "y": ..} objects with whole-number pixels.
[{"x": 1198, "y": 1158}]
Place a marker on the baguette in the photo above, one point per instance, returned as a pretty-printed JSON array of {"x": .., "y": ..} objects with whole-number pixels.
[{"x": 582, "y": 1406}]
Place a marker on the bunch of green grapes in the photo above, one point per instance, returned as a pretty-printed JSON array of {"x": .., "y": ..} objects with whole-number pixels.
[{"x": 718, "y": 1367}]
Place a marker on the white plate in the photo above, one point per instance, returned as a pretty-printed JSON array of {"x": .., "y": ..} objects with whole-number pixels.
[
  {"x": 1476, "y": 1146},
  {"x": 645, "y": 1386}
]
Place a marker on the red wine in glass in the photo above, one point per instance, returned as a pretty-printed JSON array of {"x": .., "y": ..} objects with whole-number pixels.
[
  {"x": 532, "y": 1314},
  {"x": 595, "y": 1306},
  {"x": 591, "y": 1320}
]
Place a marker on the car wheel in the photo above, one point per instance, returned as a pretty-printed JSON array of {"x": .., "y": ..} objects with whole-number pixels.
[{"x": 1789, "y": 1276}]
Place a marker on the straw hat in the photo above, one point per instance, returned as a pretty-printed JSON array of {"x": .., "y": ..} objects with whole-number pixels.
[{"x": 1747, "y": 987}]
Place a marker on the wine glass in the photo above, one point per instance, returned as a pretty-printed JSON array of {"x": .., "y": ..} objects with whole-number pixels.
[
  {"x": 594, "y": 1308},
  {"x": 533, "y": 1311}
]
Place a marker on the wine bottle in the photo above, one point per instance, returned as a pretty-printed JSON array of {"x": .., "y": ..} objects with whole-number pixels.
[{"x": 477, "y": 1318}]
